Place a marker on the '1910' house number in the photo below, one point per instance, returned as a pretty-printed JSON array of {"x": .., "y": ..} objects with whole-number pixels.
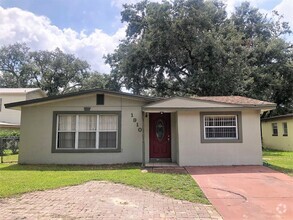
[{"x": 134, "y": 120}]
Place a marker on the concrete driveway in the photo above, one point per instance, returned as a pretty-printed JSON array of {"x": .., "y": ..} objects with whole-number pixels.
[{"x": 246, "y": 192}]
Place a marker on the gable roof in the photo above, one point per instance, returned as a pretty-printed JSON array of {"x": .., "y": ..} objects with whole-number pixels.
[
  {"x": 79, "y": 93},
  {"x": 226, "y": 101},
  {"x": 237, "y": 100}
]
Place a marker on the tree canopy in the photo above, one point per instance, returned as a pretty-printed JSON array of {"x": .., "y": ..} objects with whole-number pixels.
[
  {"x": 192, "y": 47},
  {"x": 183, "y": 47},
  {"x": 53, "y": 71}
]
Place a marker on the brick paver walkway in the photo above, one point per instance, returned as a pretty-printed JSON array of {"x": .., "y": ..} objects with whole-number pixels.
[{"x": 101, "y": 200}]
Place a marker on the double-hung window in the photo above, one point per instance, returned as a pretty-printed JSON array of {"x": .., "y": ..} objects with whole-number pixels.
[
  {"x": 220, "y": 127},
  {"x": 285, "y": 129},
  {"x": 275, "y": 129},
  {"x": 94, "y": 131}
]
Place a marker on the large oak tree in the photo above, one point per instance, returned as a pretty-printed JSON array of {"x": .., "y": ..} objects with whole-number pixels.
[{"x": 191, "y": 47}]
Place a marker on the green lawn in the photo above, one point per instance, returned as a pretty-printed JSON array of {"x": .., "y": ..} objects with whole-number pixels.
[
  {"x": 16, "y": 179},
  {"x": 9, "y": 157},
  {"x": 279, "y": 160}
]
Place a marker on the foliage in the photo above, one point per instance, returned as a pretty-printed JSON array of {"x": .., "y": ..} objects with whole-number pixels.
[
  {"x": 191, "y": 47},
  {"x": 9, "y": 133},
  {"x": 55, "y": 72},
  {"x": 279, "y": 160},
  {"x": 13, "y": 65},
  {"x": 10, "y": 141},
  {"x": 102, "y": 81},
  {"x": 41, "y": 177}
]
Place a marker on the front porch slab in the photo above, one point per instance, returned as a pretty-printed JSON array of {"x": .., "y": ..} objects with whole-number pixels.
[{"x": 165, "y": 168}]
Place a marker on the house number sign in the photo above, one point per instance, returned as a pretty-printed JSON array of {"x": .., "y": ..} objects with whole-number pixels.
[{"x": 134, "y": 120}]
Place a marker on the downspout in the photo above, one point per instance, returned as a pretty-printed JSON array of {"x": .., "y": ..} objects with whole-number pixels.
[{"x": 143, "y": 142}]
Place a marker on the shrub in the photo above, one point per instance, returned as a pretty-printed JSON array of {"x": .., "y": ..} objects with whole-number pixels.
[
  {"x": 9, "y": 141},
  {"x": 9, "y": 133}
]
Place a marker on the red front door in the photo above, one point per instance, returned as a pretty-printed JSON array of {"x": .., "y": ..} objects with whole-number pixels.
[{"x": 160, "y": 135}]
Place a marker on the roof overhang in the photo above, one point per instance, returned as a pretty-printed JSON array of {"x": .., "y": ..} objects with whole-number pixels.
[
  {"x": 174, "y": 104},
  {"x": 49, "y": 99},
  {"x": 8, "y": 125},
  {"x": 278, "y": 117}
]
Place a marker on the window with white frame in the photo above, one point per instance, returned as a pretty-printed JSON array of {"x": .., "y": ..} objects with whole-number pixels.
[
  {"x": 87, "y": 131},
  {"x": 275, "y": 129},
  {"x": 285, "y": 129},
  {"x": 220, "y": 127}
]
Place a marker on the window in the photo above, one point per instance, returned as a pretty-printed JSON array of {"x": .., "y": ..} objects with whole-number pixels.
[
  {"x": 285, "y": 129},
  {"x": 108, "y": 131},
  {"x": 86, "y": 131},
  {"x": 221, "y": 127},
  {"x": 275, "y": 129}
]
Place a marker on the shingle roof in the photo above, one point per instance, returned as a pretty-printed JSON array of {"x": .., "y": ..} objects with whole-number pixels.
[{"x": 238, "y": 100}]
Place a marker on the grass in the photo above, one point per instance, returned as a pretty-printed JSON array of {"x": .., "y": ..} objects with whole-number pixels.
[
  {"x": 16, "y": 179},
  {"x": 9, "y": 157},
  {"x": 279, "y": 160}
]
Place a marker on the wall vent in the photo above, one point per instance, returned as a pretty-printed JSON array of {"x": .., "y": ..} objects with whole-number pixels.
[{"x": 100, "y": 99}]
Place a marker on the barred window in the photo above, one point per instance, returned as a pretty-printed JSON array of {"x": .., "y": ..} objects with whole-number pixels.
[
  {"x": 87, "y": 131},
  {"x": 220, "y": 127}
]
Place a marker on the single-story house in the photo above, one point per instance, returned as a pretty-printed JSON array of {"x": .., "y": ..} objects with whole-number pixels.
[
  {"x": 106, "y": 127},
  {"x": 10, "y": 119},
  {"x": 277, "y": 132}
]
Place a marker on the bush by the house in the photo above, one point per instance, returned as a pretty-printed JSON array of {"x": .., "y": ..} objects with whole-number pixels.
[{"x": 9, "y": 141}]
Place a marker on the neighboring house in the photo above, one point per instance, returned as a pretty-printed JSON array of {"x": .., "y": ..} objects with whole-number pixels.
[
  {"x": 10, "y": 119},
  {"x": 106, "y": 127},
  {"x": 277, "y": 132}
]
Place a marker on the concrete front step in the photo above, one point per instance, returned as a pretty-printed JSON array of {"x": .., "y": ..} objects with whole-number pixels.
[{"x": 164, "y": 168}]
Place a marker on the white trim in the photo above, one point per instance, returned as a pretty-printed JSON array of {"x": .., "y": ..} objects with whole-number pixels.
[
  {"x": 98, "y": 132},
  {"x": 76, "y": 131},
  {"x": 275, "y": 128},
  {"x": 57, "y": 132},
  {"x": 285, "y": 128}
]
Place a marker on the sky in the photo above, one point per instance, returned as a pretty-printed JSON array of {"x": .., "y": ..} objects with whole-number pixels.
[{"x": 89, "y": 29}]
